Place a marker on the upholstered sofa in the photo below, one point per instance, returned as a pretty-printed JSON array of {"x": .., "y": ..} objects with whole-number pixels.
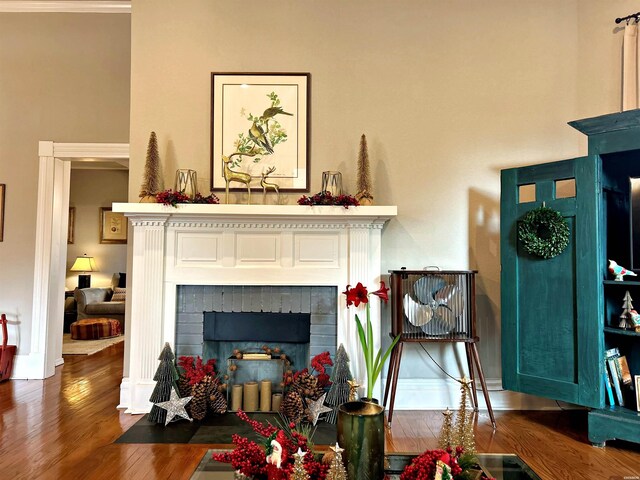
[{"x": 99, "y": 302}]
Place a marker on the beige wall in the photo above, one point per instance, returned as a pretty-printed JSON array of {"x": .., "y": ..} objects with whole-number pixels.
[
  {"x": 448, "y": 93},
  {"x": 63, "y": 77},
  {"x": 90, "y": 190}
]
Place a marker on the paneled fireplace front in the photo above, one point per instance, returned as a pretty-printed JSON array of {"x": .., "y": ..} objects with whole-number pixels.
[{"x": 233, "y": 246}]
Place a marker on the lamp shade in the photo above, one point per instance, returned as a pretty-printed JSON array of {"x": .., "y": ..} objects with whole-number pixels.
[{"x": 84, "y": 264}]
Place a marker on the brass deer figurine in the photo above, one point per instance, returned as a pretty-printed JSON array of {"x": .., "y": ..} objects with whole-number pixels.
[
  {"x": 267, "y": 185},
  {"x": 233, "y": 176}
]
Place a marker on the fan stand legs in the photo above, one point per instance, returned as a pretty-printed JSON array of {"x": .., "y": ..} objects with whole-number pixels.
[
  {"x": 392, "y": 378},
  {"x": 473, "y": 361}
]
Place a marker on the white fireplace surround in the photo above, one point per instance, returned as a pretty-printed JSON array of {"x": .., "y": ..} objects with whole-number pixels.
[{"x": 240, "y": 245}]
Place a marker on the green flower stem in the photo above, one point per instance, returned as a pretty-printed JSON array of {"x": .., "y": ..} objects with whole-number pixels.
[{"x": 373, "y": 366}]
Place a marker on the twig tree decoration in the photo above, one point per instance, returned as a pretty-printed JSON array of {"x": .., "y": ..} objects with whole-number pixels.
[
  {"x": 446, "y": 433},
  {"x": 299, "y": 472},
  {"x": 151, "y": 180},
  {"x": 337, "y": 470},
  {"x": 463, "y": 434},
  {"x": 364, "y": 195}
]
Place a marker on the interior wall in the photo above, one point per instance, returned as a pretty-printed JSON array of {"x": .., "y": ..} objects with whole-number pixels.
[
  {"x": 63, "y": 77},
  {"x": 90, "y": 190},
  {"x": 448, "y": 94}
]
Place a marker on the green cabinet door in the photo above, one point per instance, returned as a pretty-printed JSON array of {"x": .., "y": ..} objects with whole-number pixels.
[{"x": 552, "y": 309}]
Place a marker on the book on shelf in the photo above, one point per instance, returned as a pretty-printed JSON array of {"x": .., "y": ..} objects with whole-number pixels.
[
  {"x": 625, "y": 373},
  {"x": 611, "y": 358},
  {"x": 608, "y": 389}
]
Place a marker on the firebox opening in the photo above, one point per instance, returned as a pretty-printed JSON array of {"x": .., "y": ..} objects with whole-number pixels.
[{"x": 248, "y": 332}]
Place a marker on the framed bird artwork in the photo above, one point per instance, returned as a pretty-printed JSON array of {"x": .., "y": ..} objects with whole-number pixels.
[{"x": 259, "y": 123}]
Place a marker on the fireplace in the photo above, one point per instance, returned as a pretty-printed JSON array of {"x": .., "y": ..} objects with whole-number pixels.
[
  {"x": 200, "y": 247},
  {"x": 301, "y": 320}
]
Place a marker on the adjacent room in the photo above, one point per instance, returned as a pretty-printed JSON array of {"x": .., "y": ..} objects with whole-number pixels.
[{"x": 291, "y": 240}]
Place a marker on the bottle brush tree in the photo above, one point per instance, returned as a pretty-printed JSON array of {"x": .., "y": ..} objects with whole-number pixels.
[{"x": 151, "y": 180}]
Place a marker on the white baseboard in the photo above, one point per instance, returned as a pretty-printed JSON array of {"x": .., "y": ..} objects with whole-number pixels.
[
  {"x": 135, "y": 399},
  {"x": 59, "y": 362},
  {"x": 439, "y": 394},
  {"x": 27, "y": 367}
]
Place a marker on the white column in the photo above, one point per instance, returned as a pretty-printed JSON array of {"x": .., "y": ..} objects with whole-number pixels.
[
  {"x": 364, "y": 267},
  {"x": 146, "y": 297}
]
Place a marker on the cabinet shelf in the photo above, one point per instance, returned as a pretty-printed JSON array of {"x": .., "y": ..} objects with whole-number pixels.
[
  {"x": 632, "y": 283},
  {"x": 619, "y": 331}
]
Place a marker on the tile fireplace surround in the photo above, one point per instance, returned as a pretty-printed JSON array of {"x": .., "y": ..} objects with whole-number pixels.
[{"x": 240, "y": 245}]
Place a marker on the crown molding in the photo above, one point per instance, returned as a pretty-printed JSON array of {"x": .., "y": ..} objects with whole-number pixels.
[{"x": 60, "y": 6}]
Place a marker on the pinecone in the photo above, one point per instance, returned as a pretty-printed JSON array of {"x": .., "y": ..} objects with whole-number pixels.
[
  {"x": 292, "y": 407},
  {"x": 217, "y": 402},
  {"x": 183, "y": 387},
  {"x": 199, "y": 401},
  {"x": 306, "y": 385}
]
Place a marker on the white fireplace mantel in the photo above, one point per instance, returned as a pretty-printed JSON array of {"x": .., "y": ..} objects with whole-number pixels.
[{"x": 240, "y": 245}]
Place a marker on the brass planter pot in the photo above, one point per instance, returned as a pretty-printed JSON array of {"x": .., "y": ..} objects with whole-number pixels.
[{"x": 361, "y": 434}]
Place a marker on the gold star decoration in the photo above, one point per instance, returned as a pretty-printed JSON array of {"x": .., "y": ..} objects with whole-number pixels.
[
  {"x": 337, "y": 448},
  {"x": 300, "y": 453},
  {"x": 175, "y": 407},
  {"x": 353, "y": 389},
  {"x": 317, "y": 408}
]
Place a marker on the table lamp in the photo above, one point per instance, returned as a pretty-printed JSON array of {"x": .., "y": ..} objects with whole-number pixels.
[{"x": 84, "y": 264}]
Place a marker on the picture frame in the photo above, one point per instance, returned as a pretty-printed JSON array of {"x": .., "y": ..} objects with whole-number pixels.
[
  {"x": 113, "y": 226},
  {"x": 636, "y": 378},
  {"x": 260, "y": 123},
  {"x": 71, "y": 226},
  {"x": 3, "y": 188}
]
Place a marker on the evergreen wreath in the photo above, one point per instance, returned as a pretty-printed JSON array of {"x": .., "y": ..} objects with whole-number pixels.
[{"x": 544, "y": 232}]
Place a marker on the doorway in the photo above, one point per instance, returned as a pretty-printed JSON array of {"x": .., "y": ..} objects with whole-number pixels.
[{"x": 56, "y": 160}]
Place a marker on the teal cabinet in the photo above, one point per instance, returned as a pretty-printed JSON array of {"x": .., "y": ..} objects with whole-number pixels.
[{"x": 559, "y": 315}]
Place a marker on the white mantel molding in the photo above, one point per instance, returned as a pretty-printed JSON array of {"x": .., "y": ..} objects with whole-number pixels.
[
  {"x": 240, "y": 245},
  {"x": 61, "y": 6}
]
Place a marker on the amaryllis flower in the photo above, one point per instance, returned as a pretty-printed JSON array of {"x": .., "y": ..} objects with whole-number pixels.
[
  {"x": 373, "y": 361},
  {"x": 356, "y": 295},
  {"x": 382, "y": 292}
]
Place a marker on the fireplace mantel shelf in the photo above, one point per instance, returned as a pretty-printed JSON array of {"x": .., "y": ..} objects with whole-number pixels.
[{"x": 268, "y": 211}]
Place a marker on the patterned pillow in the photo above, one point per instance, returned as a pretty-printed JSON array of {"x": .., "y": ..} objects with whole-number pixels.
[{"x": 119, "y": 295}]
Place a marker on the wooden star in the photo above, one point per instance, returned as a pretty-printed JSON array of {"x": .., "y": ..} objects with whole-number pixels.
[
  {"x": 317, "y": 408},
  {"x": 353, "y": 389},
  {"x": 175, "y": 407}
]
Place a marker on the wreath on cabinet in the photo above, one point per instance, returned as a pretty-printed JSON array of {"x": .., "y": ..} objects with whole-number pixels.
[{"x": 543, "y": 232}]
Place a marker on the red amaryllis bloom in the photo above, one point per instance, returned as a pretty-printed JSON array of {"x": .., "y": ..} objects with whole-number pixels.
[
  {"x": 356, "y": 295},
  {"x": 382, "y": 292}
]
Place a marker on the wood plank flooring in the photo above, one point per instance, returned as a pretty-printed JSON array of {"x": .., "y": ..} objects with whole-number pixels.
[{"x": 64, "y": 428}]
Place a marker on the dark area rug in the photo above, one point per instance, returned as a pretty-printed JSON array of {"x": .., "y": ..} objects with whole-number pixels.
[{"x": 215, "y": 429}]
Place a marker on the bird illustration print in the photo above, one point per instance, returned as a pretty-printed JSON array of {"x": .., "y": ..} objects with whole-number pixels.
[{"x": 258, "y": 135}]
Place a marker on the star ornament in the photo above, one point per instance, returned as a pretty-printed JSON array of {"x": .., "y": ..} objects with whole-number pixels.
[
  {"x": 337, "y": 448},
  {"x": 175, "y": 407},
  {"x": 317, "y": 408},
  {"x": 300, "y": 454}
]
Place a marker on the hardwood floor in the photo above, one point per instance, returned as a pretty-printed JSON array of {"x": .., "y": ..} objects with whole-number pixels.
[{"x": 64, "y": 428}]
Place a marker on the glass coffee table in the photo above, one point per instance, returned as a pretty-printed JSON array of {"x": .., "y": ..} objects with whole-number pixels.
[{"x": 497, "y": 465}]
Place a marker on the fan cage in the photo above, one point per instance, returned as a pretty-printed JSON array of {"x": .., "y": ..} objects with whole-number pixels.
[{"x": 433, "y": 305}]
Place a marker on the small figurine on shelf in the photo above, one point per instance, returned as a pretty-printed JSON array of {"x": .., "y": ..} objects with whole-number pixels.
[
  {"x": 627, "y": 308},
  {"x": 619, "y": 271}
]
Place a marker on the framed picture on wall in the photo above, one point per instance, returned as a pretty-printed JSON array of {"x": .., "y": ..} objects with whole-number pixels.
[
  {"x": 260, "y": 125},
  {"x": 113, "y": 226},
  {"x": 3, "y": 187},
  {"x": 72, "y": 223}
]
